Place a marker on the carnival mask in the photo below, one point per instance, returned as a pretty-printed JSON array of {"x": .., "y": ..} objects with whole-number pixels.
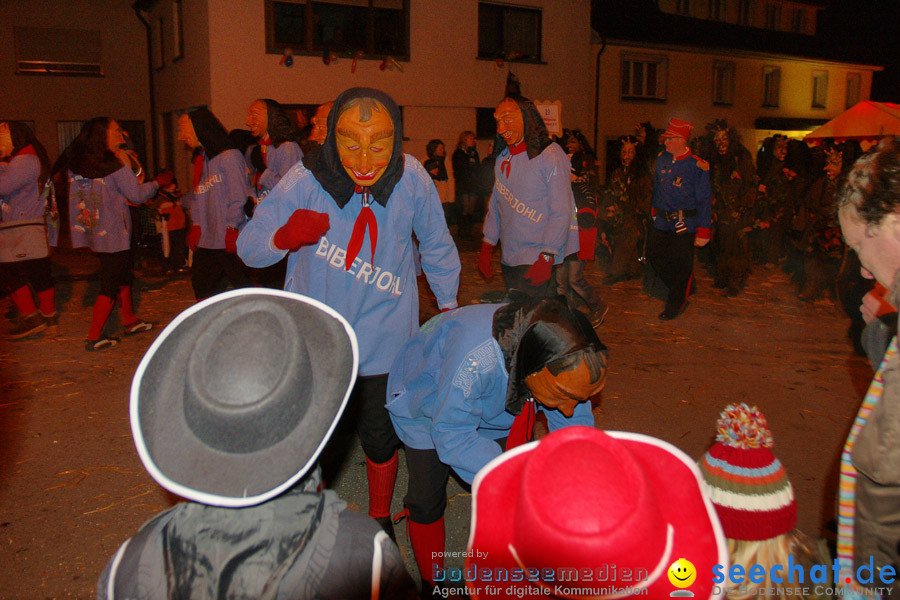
[
  {"x": 510, "y": 125},
  {"x": 565, "y": 390},
  {"x": 258, "y": 119},
  {"x": 834, "y": 162},
  {"x": 320, "y": 123},
  {"x": 628, "y": 151},
  {"x": 720, "y": 139},
  {"x": 365, "y": 141},
  {"x": 186, "y": 132},
  {"x": 780, "y": 150}
]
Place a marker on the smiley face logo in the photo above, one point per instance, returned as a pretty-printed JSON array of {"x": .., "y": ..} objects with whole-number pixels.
[{"x": 682, "y": 573}]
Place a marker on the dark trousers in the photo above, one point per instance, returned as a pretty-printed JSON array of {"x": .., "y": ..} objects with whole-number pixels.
[
  {"x": 212, "y": 271},
  {"x": 116, "y": 270},
  {"x": 672, "y": 257},
  {"x": 571, "y": 283},
  {"x": 426, "y": 494},
  {"x": 177, "y": 249},
  {"x": 514, "y": 278},
  {"x": 35, "y": 272},
  {"x": 373, "y": 423}
]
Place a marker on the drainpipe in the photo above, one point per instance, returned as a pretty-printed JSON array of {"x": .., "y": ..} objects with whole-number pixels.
[
  {"x": 597, "y": 92},
  {"x": 153, "y": 133}
]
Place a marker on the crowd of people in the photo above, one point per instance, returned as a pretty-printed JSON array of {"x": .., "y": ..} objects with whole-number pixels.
[{"x": 344, "y": 221}]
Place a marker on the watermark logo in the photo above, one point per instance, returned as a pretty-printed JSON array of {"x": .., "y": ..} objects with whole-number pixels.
[{"x": 682, "y": 574}]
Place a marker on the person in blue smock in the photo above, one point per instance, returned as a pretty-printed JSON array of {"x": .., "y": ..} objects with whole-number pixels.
[
  {"x": 464, "y": 388},
  {"x": 216, "y": 204},
  {"x": 346, "y": 225},
  {"x": 100, "y": 188},
  {"x": 681, "y": 212},
  {"x": 531, "y": 212},
  {"x": 24, "y": 175},
  {"x": 277, "y": 144}
]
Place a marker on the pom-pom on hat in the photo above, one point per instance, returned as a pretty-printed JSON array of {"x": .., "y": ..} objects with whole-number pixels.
[{"x": 747, "y": 483}]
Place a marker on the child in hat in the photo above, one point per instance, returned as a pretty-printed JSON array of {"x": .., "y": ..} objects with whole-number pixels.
[
  {"x": 755, "y": 502},
  {"x": 590, "y": 514},
  {"x": 248, "y": 379}
]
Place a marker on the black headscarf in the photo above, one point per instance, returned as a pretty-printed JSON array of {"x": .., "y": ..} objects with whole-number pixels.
[
  {"x": 210, "y": 132},
  {"x": 89, "y": 155},
  {"x": 534, "y": 332},
  {"x": 279, "y": 126},
  {"x": 536, "y": 137},
  {"x": 329, "y": 171}
]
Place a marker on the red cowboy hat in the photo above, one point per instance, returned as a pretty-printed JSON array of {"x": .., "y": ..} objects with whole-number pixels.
[
  {"x": 677, "y": 129},
  {"x": 589, "y": 514}
]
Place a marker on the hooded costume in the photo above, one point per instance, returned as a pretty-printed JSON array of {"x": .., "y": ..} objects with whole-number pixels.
[
  {"x": 282, "y": 150},
  {"x": 532, "y": 208},
  {"x": 377, "y": 291},
  {"x": 459, "y": 383}
]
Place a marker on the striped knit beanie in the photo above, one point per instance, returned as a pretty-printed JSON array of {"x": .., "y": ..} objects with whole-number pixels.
[{"x": 747, "y": 484}]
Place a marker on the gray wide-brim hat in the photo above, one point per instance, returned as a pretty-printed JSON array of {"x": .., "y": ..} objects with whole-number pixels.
[{"x": 236, "y": 398}]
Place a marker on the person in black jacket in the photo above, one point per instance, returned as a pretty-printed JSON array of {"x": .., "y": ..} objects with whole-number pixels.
[{"x": 465, "y": 172}]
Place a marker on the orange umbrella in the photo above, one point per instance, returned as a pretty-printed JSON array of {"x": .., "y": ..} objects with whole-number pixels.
[{"x": 867, "y": 120}]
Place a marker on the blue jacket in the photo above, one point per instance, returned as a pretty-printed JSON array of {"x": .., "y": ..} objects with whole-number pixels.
[
  {"x": 98, "y": 209},
  {"x": 532, "y": 208},
  {"x": 217, "y": 202},
  {"x": 278, "y": 162},
  {"x": 20, "y": 196},
  {"x": 681, "y": 185},
  {"x": 447, "y": 391},
  {"x": 379, "y": 297}
]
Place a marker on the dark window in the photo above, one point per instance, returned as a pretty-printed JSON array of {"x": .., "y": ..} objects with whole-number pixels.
[
  {"x": 723, "y": 82},
  {"x": 771, "y": 86},
  {"x": 683, "y": 7},
  {"x": 373, "y": 27},
  {"x": 177, "y": 30},
  {"x": 798, "y": 23},
  {"x": 644, "y": 76},
  {"x": 717, "y": 10},
  {"x": 773, "y": 16},
  {"x": 45, "y": 51},
  {"x": 820, "y": 89},
  {"x": 485, "y": 125},
  {"x": 745, "y": 13},
  {"x": 509, "y": 32},
  {"x": 854, "y": 83}
]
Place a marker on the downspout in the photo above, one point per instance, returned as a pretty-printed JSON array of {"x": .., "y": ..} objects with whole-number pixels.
[
  {"x": 153, "y": 133},
  {"x": 597, "y": 92}
]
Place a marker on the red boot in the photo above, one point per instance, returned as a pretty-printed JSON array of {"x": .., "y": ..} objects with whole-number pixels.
[
  {"x": 428, "y": 541},
  {"x": 381, "y": 478}
]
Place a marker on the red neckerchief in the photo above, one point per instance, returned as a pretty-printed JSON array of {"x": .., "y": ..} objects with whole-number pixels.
[
  {"x": 198, "y": 168},
  {"x": 506, "y": 165},
  {"x": 522, "y": 430},
  {"x": 29, "y": 149},
  {"x": 365, "y": 219}
]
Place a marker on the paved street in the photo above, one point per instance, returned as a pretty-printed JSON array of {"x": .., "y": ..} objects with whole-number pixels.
[{"x": 72, "y": 487}]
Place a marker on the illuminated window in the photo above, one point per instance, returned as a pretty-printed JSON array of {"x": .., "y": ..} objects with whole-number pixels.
[
  {"x": 723, "y": 82},
  {"x": 745, "y": 12},
  {"x": 819, "y": 89},
  {"x": 771, "y": 86},
  {"x": 512, "y": 32},
  {"x": 773, "y": 16},
  {"x": 854, "y": 83},
  {"x": 644, "y": 76}
]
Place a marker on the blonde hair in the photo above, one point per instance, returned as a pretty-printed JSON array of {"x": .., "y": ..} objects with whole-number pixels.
[{"x": 766, "y": 553}]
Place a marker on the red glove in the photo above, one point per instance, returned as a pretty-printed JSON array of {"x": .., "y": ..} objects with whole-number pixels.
[
  {"x": 702, "y": 237},
  {"x": 164, "y": 179},
  {"x": 484, "y": 261},
  {"x": 539, "y": 272},
  {"x": 305, "y": 227},
  {"x": 193, "y": 237},
  {"x": 231, "y": 236}
]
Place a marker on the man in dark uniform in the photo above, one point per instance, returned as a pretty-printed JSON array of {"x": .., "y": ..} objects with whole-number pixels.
[{"x": 680, "y": 211}]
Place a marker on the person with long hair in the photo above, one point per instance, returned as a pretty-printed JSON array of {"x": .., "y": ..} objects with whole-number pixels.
[
  {"x": 436, "y": 166},
  {"x": 100, "y": 188},
  {"x": 627, "y": 208},
  {"x": 24, "y": 173},
  {"x": 216, "y": 204}
]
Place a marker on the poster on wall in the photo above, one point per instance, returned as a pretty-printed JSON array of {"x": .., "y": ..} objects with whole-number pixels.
[{"x": 551, "y": 112}]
